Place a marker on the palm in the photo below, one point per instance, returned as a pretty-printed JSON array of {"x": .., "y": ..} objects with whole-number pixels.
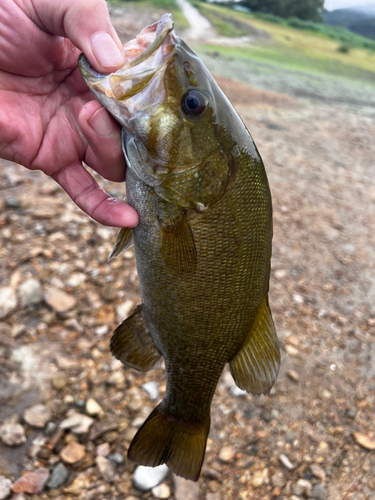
[{"x": 40, "y": 99}]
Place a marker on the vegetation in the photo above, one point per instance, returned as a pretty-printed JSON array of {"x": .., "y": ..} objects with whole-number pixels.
[{"x": 306, "y": 9}]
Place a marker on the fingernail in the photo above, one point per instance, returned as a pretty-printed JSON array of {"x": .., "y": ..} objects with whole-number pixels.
[
  {"x": 106, "y": 51},
  {"x": 101, "y": 122}
]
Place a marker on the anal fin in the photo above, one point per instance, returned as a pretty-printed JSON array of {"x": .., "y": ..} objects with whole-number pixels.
[
  {"x": 256, "y": 366},
  {"x": 123, "y": 241},
  {"x": 132, "y": 344}
]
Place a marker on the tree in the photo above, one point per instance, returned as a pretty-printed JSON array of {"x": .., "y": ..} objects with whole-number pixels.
[{"x": 306, "y": 9}]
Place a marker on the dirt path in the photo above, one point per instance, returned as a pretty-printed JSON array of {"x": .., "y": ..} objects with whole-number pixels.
[{"x": 200, "y": 27}]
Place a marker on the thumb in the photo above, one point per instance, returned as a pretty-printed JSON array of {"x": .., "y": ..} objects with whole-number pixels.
[{"x": 87, "y": 25}]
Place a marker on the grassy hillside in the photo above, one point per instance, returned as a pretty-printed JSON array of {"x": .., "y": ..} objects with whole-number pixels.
[{"x": 291, "y": 47}]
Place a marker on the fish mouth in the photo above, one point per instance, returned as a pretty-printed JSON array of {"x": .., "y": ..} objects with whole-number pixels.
[{"x": 145, "y": 56}]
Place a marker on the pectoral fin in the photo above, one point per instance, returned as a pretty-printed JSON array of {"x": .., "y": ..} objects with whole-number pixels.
[
  {"x": 132, "y": 344},
  {"x": 123, "y": 241},
  {"x": 256, "y": 366}
]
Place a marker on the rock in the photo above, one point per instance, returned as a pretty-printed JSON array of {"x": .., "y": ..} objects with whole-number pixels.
[
  {"x": 59, "y": 382},
  {"x": 106, "y": 468},
  {"x": 93, "y": 408},
  {"x": 37, "y": 416},
  {"x": 19, "y": 496},
  {"x": 12, "y": 434},
  {"x": 103, "y": 450},
  {"x": 77, "y": 423},
  {"x": 367, "y": 441},
  {"x": 146, "y": 478},
  {"x": 152, "y": 389},
  {"x": 317, "y": 471},
  {"x": 36, "y": 446},
  {"x": 31, "y": 293},
  {"x": 81, "y": 483},
  {"x": 226, "y": 454},
  {"x": 259, "y": 477},
  {"x": 305, "y": 487},
  {"x": 76, "y": 279},
  {"x": 318, "y": 492},
  {"x": 278, "y": 480},
  {"x": 161, "y": 491},
  {"x": 4, "y": 487},
  {"x": 8, "y": 302},
  {"x": 12, "y": 202},
  {"x": 73, "y": 453},
  {"x": 292, "y": 351},
  {"x": 123, "y": 310},
  {"x": 18, "y": 330},
  {"x": 237, "y": 392},
  {"x": 293, "y": 375},
  {"x": 185, "y": 489},
  {"x": 286, "y": 462},
  {"x": 58, "y": 476},
  {"x": 31, "y": 482},
  {"x": 117, "y": 458},
  {"x": 116, "y": 378},
  {"x": 58, "y": 300}
]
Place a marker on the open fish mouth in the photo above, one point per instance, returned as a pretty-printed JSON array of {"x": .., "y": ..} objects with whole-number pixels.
[{"x": 145, "y": 56}]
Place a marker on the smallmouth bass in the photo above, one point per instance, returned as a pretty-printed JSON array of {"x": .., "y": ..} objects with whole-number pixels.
[{"x": 202, "y": 245}]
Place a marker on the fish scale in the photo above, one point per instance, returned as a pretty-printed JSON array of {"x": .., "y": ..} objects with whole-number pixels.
[{"x": 202, "y": 245}]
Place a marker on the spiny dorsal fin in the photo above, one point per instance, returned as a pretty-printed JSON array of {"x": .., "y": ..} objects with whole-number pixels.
[
  {"x": 256, "y": 366},
  {"x": 123, "y": 241},
  {"x": 164, "y": 440},
  {"x": 132, "y": 344}
]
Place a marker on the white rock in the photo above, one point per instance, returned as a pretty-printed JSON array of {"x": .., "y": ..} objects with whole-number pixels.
[
  {"x": 30, "y": 293},
  {"x": 59, "y": 300},
  {"x": 76, "y": 279},
  {"x": 77, "y": 423},
  {"x": 237, "y": 392},
  {"x": 4, "y": 487},
  {"x": 12, "y": 434},
  {"x": 286, "y": 462},
  {"x": 8, "y": 302},
  {"x": 93, "y": 408},
  {"x": 123, "y": 310},
  {"x": 37, "y": 416},
  {"x": 146, "y": 478},
  {"x": 161, "y": 491},
  {"x": 152, "y": 389}
]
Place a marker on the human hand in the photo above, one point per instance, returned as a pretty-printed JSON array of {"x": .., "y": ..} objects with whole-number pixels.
[{"x": 48, "y": 118}]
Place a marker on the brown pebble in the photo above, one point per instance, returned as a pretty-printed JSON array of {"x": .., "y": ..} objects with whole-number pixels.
[
  {"x": 367, "y": 441},
  {"x": 293, "y": 375},
  {"x": 31, "y": 482},
  {"x": 226, "y": 454},
  {"x": 72, "y": 453},
  {"x": 317, "y": 471}
]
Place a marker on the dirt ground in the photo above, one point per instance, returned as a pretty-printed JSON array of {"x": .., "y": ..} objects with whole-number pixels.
[{"x": 313, "y": 436}]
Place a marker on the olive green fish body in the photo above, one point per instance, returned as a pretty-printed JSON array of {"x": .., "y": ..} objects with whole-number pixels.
[{"x": 202, "y": 245}]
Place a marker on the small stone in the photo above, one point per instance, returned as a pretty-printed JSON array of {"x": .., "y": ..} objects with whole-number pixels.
[
  {"x": 146, "y": 478},
  {"x": 12, "y": 202},
  {"x": 106, "y": 468},
  {"x": 161, "y": 491},
  {"x": 286, "y": 462},
  {"x": 8, "y": 302},
  {"x": 367, "y": 441},
  {"x": 237, "y": 392},
  {"x": 18, "y": 330},
  {"x": 317, "y": 471},
  {"x": 226, "y": 454},
  {"x": 4, "y": 487},
  {"x": 19, "y": 496},
  {"x": 152, "y": 389},
  {"x": 77, "y": 423},
  {"x": 103, "y": 450},
  {"x": 31, "y": 482},
  {"x": 123, "y": 310},
  {"x": 298, "y": 298},
  {"x": 58, "y": 300},
  {"x": 93, "y": 408},
  {"x": 76, "y": 279},
  {"x": 116, "y": 378},
  {"x": 293, "y": 375},
  {"x": 305, "y": 487},
  {"x": 30, "y": 293},
  {"x": 58, "y": 476},
  {"x": 117, "y": 458},
  {"x": 278, "y": 480},
  {"x": 259, "y": 477},
  {"x": 185, "y": 489},
  {"x": 292, "y": 351},
  {"x": 72, "y": 453},
  {"x": 80, "y": 483},
  {"x": 318, "y": 492},
  {"x": 59, "y": 382},
  {"x": 12, "y": 434},
  {"x": 37, "y": 416},
  {"x": 280, "y": 274}
]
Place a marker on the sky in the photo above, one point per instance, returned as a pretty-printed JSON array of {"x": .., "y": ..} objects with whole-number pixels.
[{"x": 341, "y": 4}]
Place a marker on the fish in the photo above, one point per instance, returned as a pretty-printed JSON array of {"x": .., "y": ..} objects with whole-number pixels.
[{"x": 202, "y": 245}]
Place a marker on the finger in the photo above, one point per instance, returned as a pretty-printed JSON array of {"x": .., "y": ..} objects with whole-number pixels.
[
  {"x": 90, "y": 197},
  {"x": 103, "y": 135},
  {"x": 87, "y": 24}
]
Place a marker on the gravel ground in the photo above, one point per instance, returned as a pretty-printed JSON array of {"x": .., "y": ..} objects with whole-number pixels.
[{"x": 60, "y": 301}]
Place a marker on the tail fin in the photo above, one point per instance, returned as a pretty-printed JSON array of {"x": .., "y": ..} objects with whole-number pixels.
[{"x": 164, "y": 440}]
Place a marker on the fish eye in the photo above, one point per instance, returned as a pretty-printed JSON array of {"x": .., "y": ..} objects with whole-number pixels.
[{"x": 193, "y": 103}]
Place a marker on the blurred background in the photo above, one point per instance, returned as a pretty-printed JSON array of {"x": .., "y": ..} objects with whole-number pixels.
[{"x": 302, "y": 77}]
